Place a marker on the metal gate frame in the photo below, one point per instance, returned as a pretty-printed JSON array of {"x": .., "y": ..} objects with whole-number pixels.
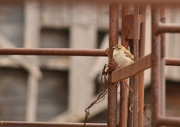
[{"x": 133, "y": 35}]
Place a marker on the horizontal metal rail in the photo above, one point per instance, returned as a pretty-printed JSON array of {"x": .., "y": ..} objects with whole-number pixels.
[
  {"x": 173, "y": 62},
  {"x": 167, "y": 28},
  {"x": 67, "y": 52},
  {"x": 168, "y": 121},
  {"x": 53, "y": 51},
  {"x": 46, "y": 124}
]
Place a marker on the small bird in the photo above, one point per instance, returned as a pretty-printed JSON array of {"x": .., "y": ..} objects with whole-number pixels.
[{"x": 122, "y": 56}]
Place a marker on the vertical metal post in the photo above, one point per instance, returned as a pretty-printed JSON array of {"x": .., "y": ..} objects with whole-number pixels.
[
  {"x": 141, "y": 75},
  {"x": 136, "y": 56},
  {"x": 163, "y": 48},
  {"x": 131, "y": 100},
  {"x": 124, "y": 90},
  {"x": 113, "y": 40},
  {"x": 155, "y": 70}
]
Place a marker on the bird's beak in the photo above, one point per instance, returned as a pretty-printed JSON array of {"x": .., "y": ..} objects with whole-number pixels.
[{"x": 113, "y": 47}]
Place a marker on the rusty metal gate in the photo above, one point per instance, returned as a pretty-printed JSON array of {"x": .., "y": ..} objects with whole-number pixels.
[{"x": 133, "y": 36}]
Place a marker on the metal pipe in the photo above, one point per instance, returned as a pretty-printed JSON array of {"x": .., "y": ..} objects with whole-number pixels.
[
  {"x": 131, "y": 98},
  {"x": 136, "y": 57},
  {"x": 53, "y": 51},
  {"x": 112, "y": 87},
  {"x": 141, "y": 75},
  {"x": 163, "y": 84},
  {"x": 46, "y": 124},
  {"x": 169, "y": 121},
  {"x": 124, "y": 92},
  {"x": 155, "y": 69},
  {"x": 168, "y": 28},
  {"x": 173, "y": 62},
  {"x": 68, "y": 52}
]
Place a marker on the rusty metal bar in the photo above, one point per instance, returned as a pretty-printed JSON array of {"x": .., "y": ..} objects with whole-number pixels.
[
  {"x": 136, "y": 31},
  {"x": 68, "y": 52},
  {"x": 112, "y": 87},
  {"x": 130, "y": 119},
  {"x": 53, "y": 51},
  {"x": 46, "y": 124},
  {"x": 155, "y": 69},
  {"x": 143, "y": 64},
  {"x": 133, "y": 69},
  {"x": 167, "y": 28},
  {"x": 173, "y": 62},
  {"x": 141, "y": 75},
  {"x": 169, "y": 121},
  {"x": 163, "y": 52},
  {"x": 124, "y": 92}
]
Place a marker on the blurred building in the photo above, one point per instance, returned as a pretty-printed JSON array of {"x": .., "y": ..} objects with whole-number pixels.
[
  {"x": 59, "y": 88},
  {"x": 49, "y": 88}
]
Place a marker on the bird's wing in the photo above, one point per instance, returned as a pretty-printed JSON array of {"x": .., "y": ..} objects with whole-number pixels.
[{"x": 128, "y": 54}]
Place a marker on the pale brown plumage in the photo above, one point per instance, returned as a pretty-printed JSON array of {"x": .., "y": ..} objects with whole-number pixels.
[{"x": 122, "y": 56}]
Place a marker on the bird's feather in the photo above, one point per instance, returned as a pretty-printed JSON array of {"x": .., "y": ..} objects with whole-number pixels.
[
  {"x": 122, "y": 56},
  {"x": 128, "y": 54}
]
